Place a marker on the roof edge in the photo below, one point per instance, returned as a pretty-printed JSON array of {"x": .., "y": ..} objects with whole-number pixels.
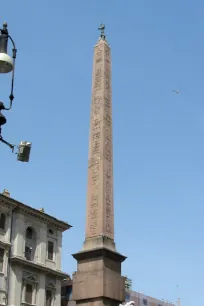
[{"x": 33, "y": 211}]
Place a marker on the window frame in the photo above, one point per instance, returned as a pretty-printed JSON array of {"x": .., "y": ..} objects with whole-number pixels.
[
  {"x": 28, "y": 251},
  {"x": 27, "y": 237},
  {"x": 30, "y": 242},
  {"x": 50, "y": 232},
  {"x": 2, "y": 259},
  {"x": 3, "y": 228},
  {"x": 32, "y": 290},
  {"x": 52, "y": 296},
  {"x": 53, "y": 251}
]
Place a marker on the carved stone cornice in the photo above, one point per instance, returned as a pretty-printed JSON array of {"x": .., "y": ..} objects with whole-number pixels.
[
  {"x": 38, "y": 267},
  {"x": 5, "y": 243},
  {"x": 27, "y": 210}
]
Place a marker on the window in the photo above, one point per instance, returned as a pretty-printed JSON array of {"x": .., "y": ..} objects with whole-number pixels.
[
  {"x": 30, "y": 244},
  {"x": 48, "y": 297},
  {"x": 29, "y": 233},
  {"x": 28, "y": 252},
  {"x": 50, "y": 250},
  {"x": 28, "y": 293},
  {"x": 2, "y": 221},
  {"x": 145, "y": 301},
  {"x": 50, "y": 232},
  {"x": 1, "y": 259},
  {"x": 69, "y": 292}
]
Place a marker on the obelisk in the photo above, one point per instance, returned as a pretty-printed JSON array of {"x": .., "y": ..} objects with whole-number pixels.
[{"x": 98, "y": 279}]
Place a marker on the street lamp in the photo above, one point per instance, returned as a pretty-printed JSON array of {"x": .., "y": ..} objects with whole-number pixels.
[{"x": 7, "y": 64}]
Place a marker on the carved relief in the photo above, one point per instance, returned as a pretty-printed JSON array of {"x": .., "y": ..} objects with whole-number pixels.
[
  {"x": 96, "y": 136},
  {"x": 101, "y": 147},
  {"x": 96, "y": 124},
  {"x": 94, "y": 160},
  {"x": 107, "y": 93},
  {"x": 107, "y": 106},
  {"x": 108, "y": 180},
  {"x": 95, "y": 176},
  {"x": 97, "y": 83},
  {"x": 107, "y": 145},
  {"x": 97, "y": 94},
  {"x": 98, "y": 55},
  {"x": 107, "y": 120},
  {"x": 107, "y": 82},
  {"x": 108, "y": 196},
  {"x": 93, "y": 214},
  {"x": 107, "y": 76},
  {"x": 107, "y": 54},
  {"x": 96, "y": 106},
  {"x": 30, "y": 277}
]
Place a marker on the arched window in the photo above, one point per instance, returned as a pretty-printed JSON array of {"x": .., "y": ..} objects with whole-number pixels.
[
  {"x": 30, "y": 244},
  {"x": 49, "y": 296},
  {"x": 50, "y": 232},
  {"x": 2, "y": 221},
  {"x": 29, "y": 233},
  {"x": 28, "y": 293}
]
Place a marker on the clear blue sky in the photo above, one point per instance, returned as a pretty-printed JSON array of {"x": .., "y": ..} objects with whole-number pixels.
[{"x": 156, "y": 46}]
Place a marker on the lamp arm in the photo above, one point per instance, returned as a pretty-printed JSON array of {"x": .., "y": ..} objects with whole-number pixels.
[{"x": 11, "y": 146}]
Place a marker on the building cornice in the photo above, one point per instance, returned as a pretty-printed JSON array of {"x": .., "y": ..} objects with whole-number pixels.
[
  {"x": 18, "y": 206},
  {"x": 38, "y": 266},
  {"x": 100, "y": 253},
  {"x": 5, "y": 243}
]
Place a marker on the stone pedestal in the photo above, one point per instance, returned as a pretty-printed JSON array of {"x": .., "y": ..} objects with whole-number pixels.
[{"x": 98, "y": 279}]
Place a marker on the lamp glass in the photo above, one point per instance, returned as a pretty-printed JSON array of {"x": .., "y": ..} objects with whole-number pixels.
[{"x": 6, "y": 63}]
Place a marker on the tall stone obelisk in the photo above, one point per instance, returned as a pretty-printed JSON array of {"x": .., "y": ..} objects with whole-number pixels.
[{"x": 98, "y": 279}]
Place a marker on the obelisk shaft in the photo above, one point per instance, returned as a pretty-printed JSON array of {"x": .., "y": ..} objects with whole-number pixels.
[
  {"x": 98, "y": 280},
  {"x": 100, "y": 210}
]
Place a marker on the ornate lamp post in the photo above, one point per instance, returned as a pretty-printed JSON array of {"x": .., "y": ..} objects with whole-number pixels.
[{"x": 7, "y": 64}]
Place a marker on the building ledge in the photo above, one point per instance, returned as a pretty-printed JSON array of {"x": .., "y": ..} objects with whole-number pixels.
[
  {"x": 38, "y": 266},
  {"x": 23, "y": 208},
  {"x": 5, "y": 243}
]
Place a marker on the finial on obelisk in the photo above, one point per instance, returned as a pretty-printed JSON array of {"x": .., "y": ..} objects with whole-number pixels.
[{"x": 102, "y": 29}]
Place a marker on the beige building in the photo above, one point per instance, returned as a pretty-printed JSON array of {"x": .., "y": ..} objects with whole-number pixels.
[
  {"x": 141, "y": 299},
  {"x": 30, "y": 255}
]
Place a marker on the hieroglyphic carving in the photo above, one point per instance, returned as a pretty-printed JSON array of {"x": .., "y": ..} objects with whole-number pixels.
[
  {"x": 93, "y": 214},
  {"x": 101, "y": 147},
  {"x": 107, "y": 54},
  {"x": 98, "y": 55},
  {"x": 95, "y": 176},
  {"x": 96, "y": 124},
  {"x": 108, "y": 180},
  {"x": 107, "y": 106},
  {"x": 96, "y": 106},
  {"x": 96, "y": 142},
  {"x": 107, "y": 144},
  {"x": 108, "y": 197},
  {"x": 107, "y": 149},
  {"x": 97, "y": 83},
  {"x": 107, "y": 76},
  {"x": 94, "y": 161}
]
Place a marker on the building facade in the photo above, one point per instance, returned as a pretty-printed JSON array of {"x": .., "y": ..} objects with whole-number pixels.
[
  {"x": 140, "y": 299},
  {"x": 30, "y": 255}
]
